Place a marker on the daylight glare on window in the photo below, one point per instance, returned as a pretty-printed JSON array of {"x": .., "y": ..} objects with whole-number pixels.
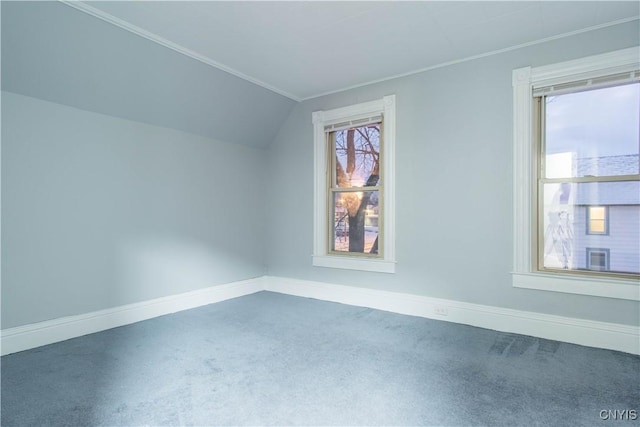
[
  {"x": 589, "y": 188},
  {"x": 583, "y": 128}
]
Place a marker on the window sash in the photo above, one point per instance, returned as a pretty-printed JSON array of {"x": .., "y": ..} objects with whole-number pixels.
[
  {"x": 355, "y": 189},
  {"x": 330, "y": 138},
  {"x": 332, "y": 186},
  {"x": 331, "y": 219},
  {"x": 538, "y": 132}
]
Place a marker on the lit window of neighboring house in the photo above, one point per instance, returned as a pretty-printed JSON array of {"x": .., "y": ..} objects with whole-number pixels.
[
  {"x": 354, "y": 213},
  {"x": 597, "y": 220},
  {"x": 577, "y": 144}
]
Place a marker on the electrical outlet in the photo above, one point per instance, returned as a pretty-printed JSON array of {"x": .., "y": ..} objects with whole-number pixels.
[{"x": 440, "y": 310}]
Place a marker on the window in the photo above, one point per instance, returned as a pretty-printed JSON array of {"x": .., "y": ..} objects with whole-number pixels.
[
  {"x": 354, "y": 215},
  {"x": 577, "y": 167},
  {"x": 598, "y": 259},
  {"x": 354, "y": 188},
  {"x": 597, "y": 220},
  {"x": 589, "y": 157}
]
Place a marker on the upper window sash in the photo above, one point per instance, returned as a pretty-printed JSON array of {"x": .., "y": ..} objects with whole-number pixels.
[{"x": 360, "y": 180}]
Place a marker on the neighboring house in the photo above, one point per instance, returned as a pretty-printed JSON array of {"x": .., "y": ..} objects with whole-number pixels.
[{"x": 606, "y": 225}]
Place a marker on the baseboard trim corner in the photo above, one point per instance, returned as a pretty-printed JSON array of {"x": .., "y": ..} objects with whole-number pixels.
[
  {"x": 42, "y": 333},
  {"x": 590, "y": 333}
]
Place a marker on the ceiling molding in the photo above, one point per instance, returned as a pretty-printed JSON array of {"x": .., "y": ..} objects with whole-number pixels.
[
  {"x": 481, "y": 55},
  {"x": 90, "y": 10},
  {"x": 86, "y": 8}
]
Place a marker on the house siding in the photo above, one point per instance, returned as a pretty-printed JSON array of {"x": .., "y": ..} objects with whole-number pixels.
[{"x": 623, "y": 238}]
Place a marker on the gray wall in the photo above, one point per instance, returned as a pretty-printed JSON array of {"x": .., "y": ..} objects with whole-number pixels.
[
  {"x": 454, "y": 184},
  {"x": 98, "y": 211},
  {"x": 54, "y": 52}
]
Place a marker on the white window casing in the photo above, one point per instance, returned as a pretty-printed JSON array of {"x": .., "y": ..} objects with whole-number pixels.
[
  {"x": 340, "y": 118},
  {"x": 586, "y": 72}
]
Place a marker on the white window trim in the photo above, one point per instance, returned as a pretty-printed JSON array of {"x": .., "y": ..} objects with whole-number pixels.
[
  {"x": 524, "y": 80},
  {"x": 321, "y": 258}
]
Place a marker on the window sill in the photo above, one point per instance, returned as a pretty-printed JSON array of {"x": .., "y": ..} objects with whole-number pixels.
[
  {"x": 628, "y": 289},
  {"x": 352, "y": 263}
]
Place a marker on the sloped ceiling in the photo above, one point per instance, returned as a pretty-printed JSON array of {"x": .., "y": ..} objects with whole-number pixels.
[
  {"x": 54, "y": 52},
  {"x": 303, "y": 48},
  {"x": 233, "y": 70}
]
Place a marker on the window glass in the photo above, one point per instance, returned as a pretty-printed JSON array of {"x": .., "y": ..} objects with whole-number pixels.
[
  {"x": 571, "y": 208},
  {"x": 355, "y": 231},
  {"x": 356, "y": 167},
  {"x": 577, "y": 176},
  {"x": 598, "y": 259},
  {"x": 597, "y": 220},
  {"x": 593, "y": 133},
  {"x": 589, "y": 190},
  {"x": 357, "y": 156}
]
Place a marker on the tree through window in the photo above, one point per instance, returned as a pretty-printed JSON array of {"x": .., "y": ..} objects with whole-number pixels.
[{"x": 355, "y": 189}]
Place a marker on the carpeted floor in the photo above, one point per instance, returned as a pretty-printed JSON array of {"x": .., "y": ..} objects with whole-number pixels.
[{"x": 271, "y": 359}]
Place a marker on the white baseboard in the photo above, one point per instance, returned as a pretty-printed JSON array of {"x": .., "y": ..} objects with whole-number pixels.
[
  {"x": 37, "y": 334},
  {"x": 577, "y": 331}
]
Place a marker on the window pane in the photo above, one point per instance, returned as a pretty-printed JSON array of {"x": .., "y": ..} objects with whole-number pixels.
[
  {"x": 597, "y": 220},
  {"x": 357, "y": 156},
  {"x": 566, "y": 224},
  {"x": 597, "y": 259},
  {"x": 355, "y": 225},
  {"x": 597, "y": 212},
  {"x": 597, "y": 226},
  {"x": 593, "y": 133}
]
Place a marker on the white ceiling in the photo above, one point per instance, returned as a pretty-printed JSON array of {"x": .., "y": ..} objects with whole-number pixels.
[{"x": 305, "y": 49}]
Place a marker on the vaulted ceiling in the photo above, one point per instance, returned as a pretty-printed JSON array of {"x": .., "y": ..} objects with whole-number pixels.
[
  {"x": 233, "y": 70},
  {"x": 304, "y": 49}
]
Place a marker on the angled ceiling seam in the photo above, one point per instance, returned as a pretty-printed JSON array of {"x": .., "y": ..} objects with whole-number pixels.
[
  {"x": 90, "y": 10},
  {"x": 483, "y": 55}
]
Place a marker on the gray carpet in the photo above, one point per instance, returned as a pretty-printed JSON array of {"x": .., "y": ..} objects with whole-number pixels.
[{"x": 271, "y": 359}]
